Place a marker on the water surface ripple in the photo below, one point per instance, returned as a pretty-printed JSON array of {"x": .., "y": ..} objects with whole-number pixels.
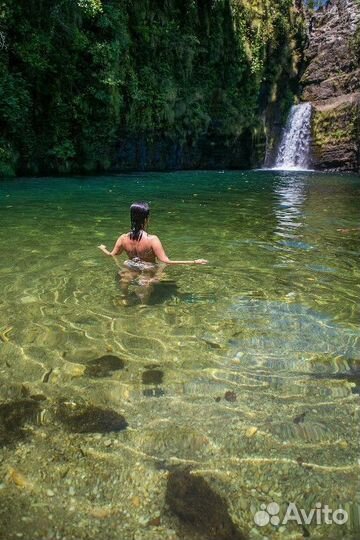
[{"x": 246, "y": 370}]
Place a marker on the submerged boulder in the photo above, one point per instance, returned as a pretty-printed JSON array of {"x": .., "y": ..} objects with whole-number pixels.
[
  {"x": 198, "y": 506},
  {"x": 152, "y": 376},
  {"x": 81, "y": 417},
  {"x": 104, "y": 366},
  {"x": 153, "y": 392},
  {"x": 13, "y": 416}
]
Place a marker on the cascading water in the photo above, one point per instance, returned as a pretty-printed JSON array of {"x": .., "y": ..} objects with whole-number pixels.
[{"x": 294, "y": 148}]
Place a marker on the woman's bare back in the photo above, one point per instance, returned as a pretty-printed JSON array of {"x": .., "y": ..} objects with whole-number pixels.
[
  {"x": 139, "y": 248},
  {"x": 148, "y": 249}
]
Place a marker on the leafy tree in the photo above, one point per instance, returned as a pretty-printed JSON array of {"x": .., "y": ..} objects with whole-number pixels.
[{"x": 78, "y": 74}]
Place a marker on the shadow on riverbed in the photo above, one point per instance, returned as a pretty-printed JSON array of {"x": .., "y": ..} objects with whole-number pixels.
[{"x": 351, "y": 376}]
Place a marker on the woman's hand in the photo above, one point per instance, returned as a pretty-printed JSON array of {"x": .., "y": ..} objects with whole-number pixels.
[{"x": 200, "y": 261}]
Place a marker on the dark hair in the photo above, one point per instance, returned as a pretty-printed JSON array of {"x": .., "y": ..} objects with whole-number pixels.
[{"x": 139, "y": 212}]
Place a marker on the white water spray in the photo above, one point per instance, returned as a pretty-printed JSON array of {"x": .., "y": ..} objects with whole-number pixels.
[{"x": 294, "y": 148}]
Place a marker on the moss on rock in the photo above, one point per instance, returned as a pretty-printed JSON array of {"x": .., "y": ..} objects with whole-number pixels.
[{"x": 335, "y": 135}]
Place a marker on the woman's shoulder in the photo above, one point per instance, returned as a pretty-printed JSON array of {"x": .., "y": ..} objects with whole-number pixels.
[
  {"x": 153, "y": 238},
  {"x": 122, "y": 238}
]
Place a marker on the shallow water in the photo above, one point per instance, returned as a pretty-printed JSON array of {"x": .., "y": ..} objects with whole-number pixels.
[{"x": 272, "y": 323}]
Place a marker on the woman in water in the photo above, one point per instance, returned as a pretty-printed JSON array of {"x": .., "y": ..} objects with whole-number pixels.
[{"x": 143, "y": 249}]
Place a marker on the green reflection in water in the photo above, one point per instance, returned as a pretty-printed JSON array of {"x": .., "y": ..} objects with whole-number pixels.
[{"x": 273, "y": 319}]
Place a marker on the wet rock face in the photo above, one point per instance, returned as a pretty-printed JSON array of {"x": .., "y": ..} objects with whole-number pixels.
[
  {"x": 13, "y": 416},
  {"x": 331, "y": 68},
  {"x": 331, "y": 82},
  {"x": 87, "y": 418},
  {"x": 211, "y": 150},
  {"x": 199, "y": 507},
  {"x": 335, "y": 135},
  {"x": 104, "y": 366}
]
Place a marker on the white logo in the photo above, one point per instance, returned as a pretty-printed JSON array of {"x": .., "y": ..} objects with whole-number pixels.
[
  {"x": 320, "y": 515},
  {"x": 267, "y": 514}
]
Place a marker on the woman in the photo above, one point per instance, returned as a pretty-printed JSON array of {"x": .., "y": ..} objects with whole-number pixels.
[{"x": 143, "y": 249}]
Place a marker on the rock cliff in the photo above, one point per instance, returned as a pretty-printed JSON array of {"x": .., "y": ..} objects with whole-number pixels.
[{"x": 331, "y": 81}]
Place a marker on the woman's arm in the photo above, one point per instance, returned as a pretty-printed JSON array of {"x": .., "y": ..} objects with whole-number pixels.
[
  {"x": 118, "y": 248},
  {"x": 161, "y": 255}
]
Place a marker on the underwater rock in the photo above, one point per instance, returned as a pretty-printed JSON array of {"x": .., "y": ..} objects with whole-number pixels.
[
  {"x": 213, "y": 341},
  {"x": 230, "y": 396},
  {"x": 38, "y": 397},
  {"x": 14, "y": 476},
  {"x": 153, "y": 392},
  {"x": 104, "y": 366},
  {"x": 154, "y": 522},
  {"x": 299, "y": 419},
  {"x": 24, "y": 391},
  {"x": 13, "y": 416},
  {"x": 87, "y": 418},
  {"x": 197, "y": 505},
  {"x": 152, "y": 376},
  {"x": 46, "y": 376},
  {"x": 251, "y": 431}
]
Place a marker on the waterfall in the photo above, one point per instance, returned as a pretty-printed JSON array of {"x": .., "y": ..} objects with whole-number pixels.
[{"x": 294, "y": 148}]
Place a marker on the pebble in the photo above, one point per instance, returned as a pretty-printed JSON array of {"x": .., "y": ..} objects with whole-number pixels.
[
  {"x": 154, "y": 522},
  {"x": 17, "y": 478},
  {"x": 243, "y": 503},
  {"x": 28, "y": 299},
  {"x": 71, "y": 490},
  {"x": 135, "y": 501},
  {"x": 50, "y": 493},
  {"x": 230, "y": 396},
  {"x": 343, "y": 444},
  {"x": 108, "y": 442},
  {"x": 250, "y": 432},
  {"x": 99, "y": 512}
]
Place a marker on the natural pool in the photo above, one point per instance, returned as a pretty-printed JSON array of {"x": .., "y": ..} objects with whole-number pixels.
[{"x": 245, "y": 371}]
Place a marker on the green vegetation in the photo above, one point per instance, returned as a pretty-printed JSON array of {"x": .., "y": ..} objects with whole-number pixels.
[
  {"x": 334, "y": 126},
  {"x": 78, "y": 74}
]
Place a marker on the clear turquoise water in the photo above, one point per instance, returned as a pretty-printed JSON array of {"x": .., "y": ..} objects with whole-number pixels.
[{"x": 274, "y": 318}]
